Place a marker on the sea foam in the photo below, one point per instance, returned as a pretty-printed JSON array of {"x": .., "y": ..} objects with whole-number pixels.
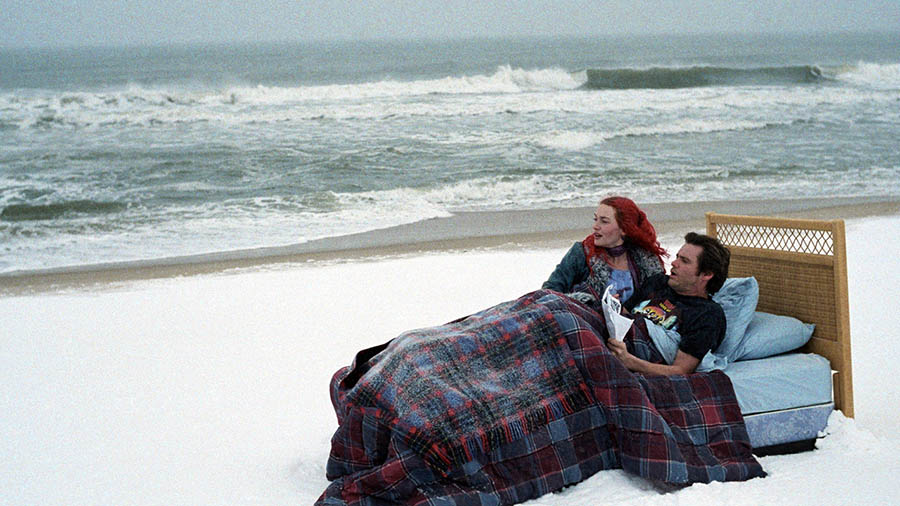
[
  {"x": 873, "y": 75},
  {"x": 573, "y": 140},
  {"x": 508, "y": 90}
]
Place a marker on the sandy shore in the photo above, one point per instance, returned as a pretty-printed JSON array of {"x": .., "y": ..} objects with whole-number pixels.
[{"x": 548, "y": 228}]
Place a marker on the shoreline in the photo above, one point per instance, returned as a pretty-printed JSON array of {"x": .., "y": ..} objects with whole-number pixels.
[{"x": 544, "y": 228}]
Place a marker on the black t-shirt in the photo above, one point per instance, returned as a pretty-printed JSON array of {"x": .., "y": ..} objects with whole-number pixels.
[{"x": 699, "y": 321}]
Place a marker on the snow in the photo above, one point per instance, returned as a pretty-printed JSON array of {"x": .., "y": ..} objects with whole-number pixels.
[{"x": 213, "y": 389}]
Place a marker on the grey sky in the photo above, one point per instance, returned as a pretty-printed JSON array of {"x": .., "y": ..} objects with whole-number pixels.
[{"x": 29, "y": 23}]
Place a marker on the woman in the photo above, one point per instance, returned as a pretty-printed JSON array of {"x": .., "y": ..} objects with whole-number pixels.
[{"x": 622, "y": 250}]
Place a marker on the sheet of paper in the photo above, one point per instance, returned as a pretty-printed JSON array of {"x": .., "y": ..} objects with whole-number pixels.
[{"x": 616, "y": 323}]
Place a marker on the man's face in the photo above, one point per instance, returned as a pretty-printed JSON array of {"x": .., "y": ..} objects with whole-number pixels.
[{"x": 683, "y": 276}]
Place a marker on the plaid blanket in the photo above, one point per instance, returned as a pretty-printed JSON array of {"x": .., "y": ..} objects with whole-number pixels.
[{"x": 517, "y": 401}]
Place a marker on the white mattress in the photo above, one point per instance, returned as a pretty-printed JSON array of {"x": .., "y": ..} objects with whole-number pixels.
[{"x": 788, "y": 381}]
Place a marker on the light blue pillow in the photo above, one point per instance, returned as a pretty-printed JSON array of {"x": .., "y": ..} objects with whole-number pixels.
[
  {"x": 738, "y": 298},
  {"x": 770, "y": 334}
]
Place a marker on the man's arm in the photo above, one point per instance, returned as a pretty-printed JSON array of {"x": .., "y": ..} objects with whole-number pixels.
[{"x": 683, "y": 364}]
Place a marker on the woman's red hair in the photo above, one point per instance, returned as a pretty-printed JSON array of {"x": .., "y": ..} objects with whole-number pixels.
[{"x": 635, "y": 226}]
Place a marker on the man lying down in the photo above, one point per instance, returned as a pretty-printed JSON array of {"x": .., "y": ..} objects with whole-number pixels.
[{"x": 529, "y": 396}]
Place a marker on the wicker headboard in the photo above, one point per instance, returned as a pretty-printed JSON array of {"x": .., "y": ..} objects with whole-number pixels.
[{"x": 801, "y": 267}]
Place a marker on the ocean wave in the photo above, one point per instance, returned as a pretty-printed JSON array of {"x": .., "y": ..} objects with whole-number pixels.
[
  {"x": 577, "y": 140},
  {"x": 95, "y": 112},
  {"x": 880, "y": 76},
  {"x": 31, "y": 212},
  {"x": 506, "y": 91},
  {"x": 699, "y": 76},
  {"x": 505, "y": 80},
  {"x": 137, "y": 105},
  {"x": 525, "y": 191}
]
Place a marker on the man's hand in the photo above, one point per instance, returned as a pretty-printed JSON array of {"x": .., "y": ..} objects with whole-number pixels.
[
  {"x": 684, "y": 363},
  {"x": 620, "y": 351}
]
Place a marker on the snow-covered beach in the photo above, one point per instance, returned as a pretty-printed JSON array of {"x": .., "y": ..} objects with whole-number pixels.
[{"x": 212, "y": 389}]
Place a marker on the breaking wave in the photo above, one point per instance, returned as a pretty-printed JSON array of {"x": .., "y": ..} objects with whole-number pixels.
[
  {"x": 694, "y": 77},
  {"x": 575, "y": 140},
  {"x": 137, "y": 105},
  {"x": 29, "y": 212}
]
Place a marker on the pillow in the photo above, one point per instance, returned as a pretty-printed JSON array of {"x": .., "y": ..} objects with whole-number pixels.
[
  {"x": 770, "y": 334},
  {"x": 738, "y": 298}
]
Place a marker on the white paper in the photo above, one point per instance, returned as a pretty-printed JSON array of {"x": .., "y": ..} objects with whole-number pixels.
[{"x": 616, "y": 323}]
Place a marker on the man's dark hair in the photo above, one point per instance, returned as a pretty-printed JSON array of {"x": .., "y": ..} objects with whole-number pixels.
[{"x": 714, "y": 258}]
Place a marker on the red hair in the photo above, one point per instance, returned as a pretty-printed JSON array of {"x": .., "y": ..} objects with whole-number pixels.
[{"x": 635, "y": 226}]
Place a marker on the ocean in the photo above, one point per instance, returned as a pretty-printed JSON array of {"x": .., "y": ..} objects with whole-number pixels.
[{"x": 118, "y": 154}]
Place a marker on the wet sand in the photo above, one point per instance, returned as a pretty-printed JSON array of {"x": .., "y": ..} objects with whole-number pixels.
[{"x": 548, "y": 228}]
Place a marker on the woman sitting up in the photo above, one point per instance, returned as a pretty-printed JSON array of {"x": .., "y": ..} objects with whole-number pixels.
[{"x": 622, "y": 250}]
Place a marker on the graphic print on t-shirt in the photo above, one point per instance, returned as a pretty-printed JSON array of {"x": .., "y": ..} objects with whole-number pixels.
[{"x": 661, "y": 312}]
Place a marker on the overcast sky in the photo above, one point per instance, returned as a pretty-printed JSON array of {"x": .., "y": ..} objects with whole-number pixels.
[{"x": 30, "y": 23}]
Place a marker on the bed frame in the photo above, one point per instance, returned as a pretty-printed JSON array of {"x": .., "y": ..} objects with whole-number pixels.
[{"x": 801, "y": 267}]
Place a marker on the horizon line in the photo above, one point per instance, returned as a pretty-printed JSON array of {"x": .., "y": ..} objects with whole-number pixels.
[{"x": 437, "y": 38}]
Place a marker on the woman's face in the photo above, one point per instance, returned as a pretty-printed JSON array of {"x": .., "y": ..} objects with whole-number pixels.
[{"x": 607, "y": 233}]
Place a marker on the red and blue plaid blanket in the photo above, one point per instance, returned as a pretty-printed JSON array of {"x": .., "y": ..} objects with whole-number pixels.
[{"x": 517, "y": 401}]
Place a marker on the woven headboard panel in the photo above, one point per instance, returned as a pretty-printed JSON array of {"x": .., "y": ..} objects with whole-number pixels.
[{"x": 801, "y": 267}]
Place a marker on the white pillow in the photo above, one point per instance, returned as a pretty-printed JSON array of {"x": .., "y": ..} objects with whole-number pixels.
[
  {"x": 771, "y": 334},
  {"x": 738, "y": 298}
]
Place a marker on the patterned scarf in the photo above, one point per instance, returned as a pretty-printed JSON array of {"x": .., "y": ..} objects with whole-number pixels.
[{"x": 641, "y": 263}]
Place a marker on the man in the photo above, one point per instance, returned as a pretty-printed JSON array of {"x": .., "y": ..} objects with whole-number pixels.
[{"x": 680, "y": 303}]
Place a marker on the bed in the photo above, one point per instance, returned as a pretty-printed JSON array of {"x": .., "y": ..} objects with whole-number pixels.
[
  {"x": 801, "y": 270},
  {"x": 524, "y": 398}
]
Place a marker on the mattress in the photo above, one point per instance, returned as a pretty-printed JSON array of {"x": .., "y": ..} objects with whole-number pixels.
[
  {"x": 785, "y": 398},
  {"x": 788, "y": 381},
  {"x": 788, "y": 426}
]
